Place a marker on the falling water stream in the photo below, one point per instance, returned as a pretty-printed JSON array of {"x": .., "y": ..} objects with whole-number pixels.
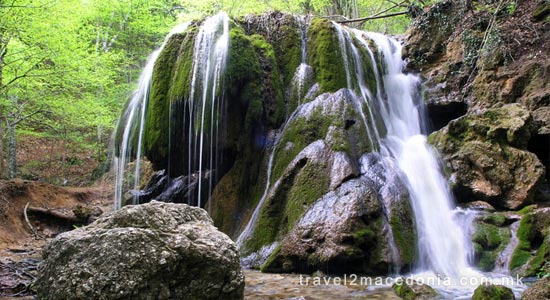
[
  {"x": 443, "y": 246},
  {"x": 134, "y": 118},
  {"x": 209, "y": 60}
]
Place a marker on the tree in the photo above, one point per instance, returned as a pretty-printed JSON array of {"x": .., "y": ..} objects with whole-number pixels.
[{"x": 67, "y": 66}]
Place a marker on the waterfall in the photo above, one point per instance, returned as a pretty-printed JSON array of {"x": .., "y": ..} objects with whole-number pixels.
[
  {"x": 394, "y": 122},
  {"x": 202, "y": 113},
  {"x": 205, "y": 103},
  {"x": 304, "y": 71},
  {"x": 504, "y": 258},
  {"x": 133, "y": 121}
]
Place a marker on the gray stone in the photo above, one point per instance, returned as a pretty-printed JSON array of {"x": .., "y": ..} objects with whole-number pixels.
[
  {"x": 538, "y": 291},
  {"x": 150, "y": 251}
]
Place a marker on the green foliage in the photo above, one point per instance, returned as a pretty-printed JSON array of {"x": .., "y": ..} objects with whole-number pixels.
[{"x": 68, "y": 66}]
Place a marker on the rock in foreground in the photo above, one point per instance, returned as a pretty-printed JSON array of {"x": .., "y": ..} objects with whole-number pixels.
[
  {"x": 493, "y": 292},
  {"x": 151, "y": 251}
]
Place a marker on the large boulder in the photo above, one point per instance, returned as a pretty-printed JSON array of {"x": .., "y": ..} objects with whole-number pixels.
[
  {"x": 150, "y": 251},
  {"x": 486, "y": 157},
  {"x": 330, "y": 206}
]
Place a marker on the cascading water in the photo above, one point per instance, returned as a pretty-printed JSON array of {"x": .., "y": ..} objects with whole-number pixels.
[
  {"x": 442, "y": 244},
  {"x": 205, "y": 103},
  {"x": 202, "y": 114},
  {"x": 504, "y": 258},
  {"x": 394, "y": 122},
  {"x": 134, "y": 122},
  {"x": 304, "y": 71}
]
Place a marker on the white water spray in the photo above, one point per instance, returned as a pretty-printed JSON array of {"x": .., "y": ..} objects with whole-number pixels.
[
  {"x": 134, "y": 116},
  {"x": 442, "y": 244},
  {"x": 209, "y": 61}
]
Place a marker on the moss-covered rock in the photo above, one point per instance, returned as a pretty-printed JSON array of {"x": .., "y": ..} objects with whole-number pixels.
[
  {"x": 350, "y": 228},
  {"x": 485, "y": 154},
  {"x": 325, "y": 56},
  {"x": 493, "y": 292},
  {"x": 533, "y": 251},
  {"x": 156, "y": 142},
  {"x": 283, "y": 32},
  {"x": 490, "y": 238},
  {"x": 415, "y": 291}
]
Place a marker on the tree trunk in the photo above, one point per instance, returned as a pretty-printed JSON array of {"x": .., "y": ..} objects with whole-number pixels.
[
  {"x": 3, "y": 52},
  {"x": 12, "y": 153},
  {"x": 2, "y": 166}
]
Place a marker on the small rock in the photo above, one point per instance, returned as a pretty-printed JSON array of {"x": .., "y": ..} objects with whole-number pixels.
[
  {"x": 415, "y": 291},
  {"x": 538, "y": 291},
  {"x": 493, "y": 292}
]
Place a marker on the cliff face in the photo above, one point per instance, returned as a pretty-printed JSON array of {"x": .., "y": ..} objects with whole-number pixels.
[{"x": 485, "y": 66}]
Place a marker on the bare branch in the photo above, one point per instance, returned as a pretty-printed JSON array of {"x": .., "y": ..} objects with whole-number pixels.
[{"x": 373, "y": 17}]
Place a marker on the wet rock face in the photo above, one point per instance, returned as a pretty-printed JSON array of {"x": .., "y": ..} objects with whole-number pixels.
[
  {"x": 487, "y": 159},
  {"x": 331, "y": 206},
  {"x": 151, "y": 251}
]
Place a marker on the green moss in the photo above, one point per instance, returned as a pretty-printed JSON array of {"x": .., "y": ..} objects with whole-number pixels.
[
  {"x": 243, "y": 62},
  {"x": 489, "y": 241},
  {"x": 271, "y": 260},
  {"x": 179, "y": 87},
  {"x": 157, "y": 119},
  {"x": 519, "y": 257},
  {"x": 404, "y": 291},
  {"x": 300, "y": 133},
  {"x": 540, "y": 259},
  {"x": 493, "y": 292},
  {"x": 271, "y": 85},
  {"x": 522, "y": 253},
  {"x": 289, "y": 50},
  {"x": 305, "y": 184},
  {"x": 405, "y": 238},
  {"x": 311, "y": 184},
  {"x": 527, "y": 209},
  {"x": 497, "y": 219},
  {"x": 324, "y": 55}
]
